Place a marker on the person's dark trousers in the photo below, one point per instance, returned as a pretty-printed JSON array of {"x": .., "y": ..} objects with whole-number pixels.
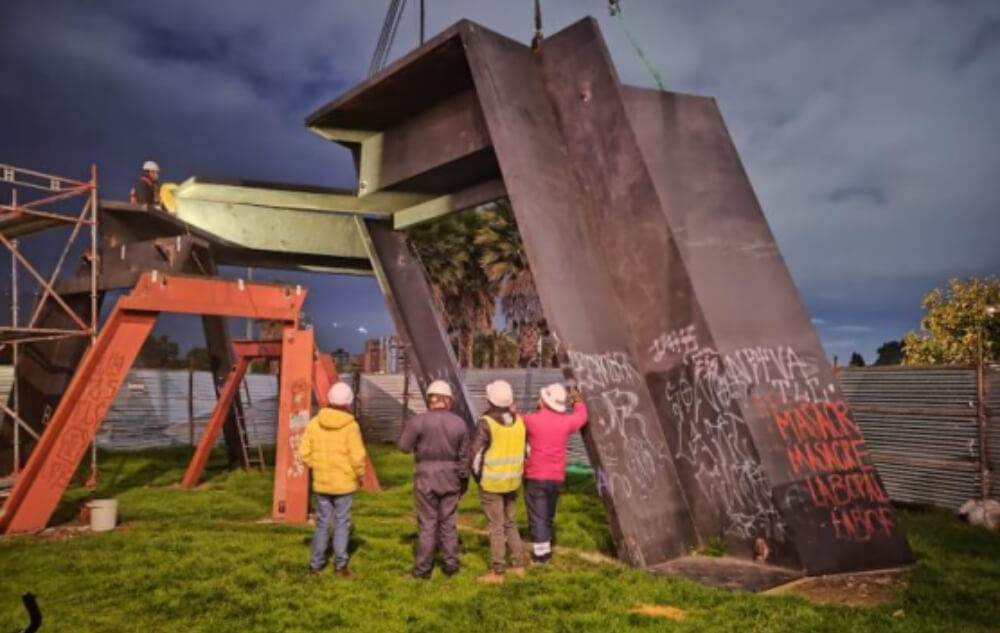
[
  {"x": 541, "y": 497},
  {"x": 437, "y": 522}
]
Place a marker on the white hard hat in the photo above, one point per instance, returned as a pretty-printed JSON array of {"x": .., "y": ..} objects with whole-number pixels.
[
  {"x": 500, "y": 394},
  {"x": 341, "y": 395},
  {"x": 150, "y": 165},
  {"x": 554, "y": 397},
  {"x": 439, "y": 388}
]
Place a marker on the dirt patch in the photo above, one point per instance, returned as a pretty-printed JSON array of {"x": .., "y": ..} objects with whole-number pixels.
[
  {"x": 853, "y": 590},
  {"x": 660, "y": 611}
]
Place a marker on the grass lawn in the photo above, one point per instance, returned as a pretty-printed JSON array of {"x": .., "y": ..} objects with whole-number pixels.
[{"x": 198, "y": 560}]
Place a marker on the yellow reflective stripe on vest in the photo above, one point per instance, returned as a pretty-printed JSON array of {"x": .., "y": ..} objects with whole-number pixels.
[{"x": 503, "y": 463}]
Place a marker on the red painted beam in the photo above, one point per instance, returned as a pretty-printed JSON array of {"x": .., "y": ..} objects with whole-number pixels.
[
  {"x": 200, "y": 295},
  {"x": 75, "y": 422},
  {"x": 229, "y": 390},
  {"x": 291, "y": 477}
]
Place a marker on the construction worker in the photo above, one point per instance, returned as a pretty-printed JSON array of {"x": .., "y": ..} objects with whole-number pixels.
[
  {"x": 147, "y": 191},
  {"x": 440, "y": 442},
  {"x": 331, "y": 446},
  {"x": 549, "y": 430},
  {"x": 498, "y": 451}
]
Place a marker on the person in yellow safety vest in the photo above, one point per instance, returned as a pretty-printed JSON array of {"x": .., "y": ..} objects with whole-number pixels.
[{"x": 498, "y": 452}]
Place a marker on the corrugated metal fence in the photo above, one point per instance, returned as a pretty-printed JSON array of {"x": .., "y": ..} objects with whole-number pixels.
[{"x": 921, "y": 424}]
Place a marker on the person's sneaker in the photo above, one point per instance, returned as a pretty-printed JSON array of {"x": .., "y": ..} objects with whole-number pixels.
[
  {"x": 315, "y": 572},
  {"x": 491, "y": 578},
  {"x": 540, "y": 560},
  {"x": 450, "y": 572},
  {"x": 343, "y": 572},
  {"x": 517, "y": 571},
  {"x": 412, "y": 576}
]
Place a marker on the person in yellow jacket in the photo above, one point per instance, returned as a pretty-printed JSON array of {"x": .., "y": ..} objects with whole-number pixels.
[
  {"x": 498, "y": 451},
  {"x": 332, "y": 447}
]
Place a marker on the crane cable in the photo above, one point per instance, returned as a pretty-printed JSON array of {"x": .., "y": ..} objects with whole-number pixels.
[
  {"x": 615, "y": 9},
  {"x": 387, "y": 35},
  {"x": 536, "y": 41}
]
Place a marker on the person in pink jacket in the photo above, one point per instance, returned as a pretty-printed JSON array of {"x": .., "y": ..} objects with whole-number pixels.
[{"x": 549, "y": 430}]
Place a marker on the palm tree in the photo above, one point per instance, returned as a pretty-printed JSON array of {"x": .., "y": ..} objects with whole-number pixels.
[
  {"x": 462, "y": 293},
  {"x": 505, "y": 266}
]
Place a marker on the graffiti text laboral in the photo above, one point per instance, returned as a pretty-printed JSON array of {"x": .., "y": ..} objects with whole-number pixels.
[
  {"x": 631, "y": 457},
  {"x": 822, "y": 442}
]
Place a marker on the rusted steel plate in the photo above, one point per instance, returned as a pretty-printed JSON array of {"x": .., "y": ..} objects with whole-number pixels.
[
  {"x": 708, "y": 440},
  {"x": 764, "y": 356},
  {"x": 560, "y": 225}
]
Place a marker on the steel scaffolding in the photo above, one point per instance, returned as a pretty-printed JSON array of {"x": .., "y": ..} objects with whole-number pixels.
[{"x": 42, "y": 203}]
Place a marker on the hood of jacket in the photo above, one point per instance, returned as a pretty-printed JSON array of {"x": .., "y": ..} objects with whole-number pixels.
[
  {"x": 333, "y": 419},
  {"x": 502, "y": 415}
]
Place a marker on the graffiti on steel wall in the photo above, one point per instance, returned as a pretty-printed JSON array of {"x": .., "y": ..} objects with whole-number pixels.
[
  {"x": 632, "y": 454},
  {"x": 828, "y": 462},
  {"x": 712, "y": 439},
  {"x": 298, "y": 419},
  {"x": 833, "y": 471}
]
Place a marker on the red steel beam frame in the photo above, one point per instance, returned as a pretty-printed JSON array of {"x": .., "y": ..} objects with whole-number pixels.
[
  {"x": 106, "y": 364},
  {"x": 324, "y": 375},
  {"x": 291, "y": 477},
  {"x": 246, "y": 351},
  {"x": 229, "y": 390}
]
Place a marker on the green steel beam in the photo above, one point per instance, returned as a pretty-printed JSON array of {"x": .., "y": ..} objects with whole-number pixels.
[
  {"x": 381, "y": 203},
  {"x": 275, "y": 229},
  {"x": 449, "y": 203}
]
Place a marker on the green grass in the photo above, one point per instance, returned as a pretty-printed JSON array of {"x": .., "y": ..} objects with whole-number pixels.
[{"x": 197, "y": 560}]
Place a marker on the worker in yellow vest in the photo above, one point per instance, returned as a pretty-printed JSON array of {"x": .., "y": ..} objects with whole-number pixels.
[{"x": 498, "y": 452}]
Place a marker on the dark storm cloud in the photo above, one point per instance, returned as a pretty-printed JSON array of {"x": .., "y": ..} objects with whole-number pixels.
[{"x": 868, "y": 128}]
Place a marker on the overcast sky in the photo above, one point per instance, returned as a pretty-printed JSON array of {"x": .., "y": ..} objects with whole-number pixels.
[{"x": 870, "y": 130}]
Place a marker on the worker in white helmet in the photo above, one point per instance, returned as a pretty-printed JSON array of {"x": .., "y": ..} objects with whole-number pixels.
[
  {"x": 499, "y": 447},
  {"x": 332, "y": 447},
  {"x": 560, "y": 413},
  {"x": 440, "y": 441},
  {"x": 147, "y": 191}
]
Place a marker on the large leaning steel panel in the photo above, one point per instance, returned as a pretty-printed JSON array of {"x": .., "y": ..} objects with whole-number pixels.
[
  {"x": 830, "y": 497},
  {"x": 560, "y": 227},
  {"x": 714, "y": 411}
]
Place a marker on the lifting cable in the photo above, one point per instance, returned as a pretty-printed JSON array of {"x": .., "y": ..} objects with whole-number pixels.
[
  {"x": 386, "y": 36},
  {"x": 536, "y": 41},
  {"x": 615, "y": 9}
]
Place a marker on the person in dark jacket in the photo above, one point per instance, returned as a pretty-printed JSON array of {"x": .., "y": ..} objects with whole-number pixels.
[
  {"x": 498, "y": 451},
  {"x": 147, "y": 190},
  {"x": 440, "y": 441}
]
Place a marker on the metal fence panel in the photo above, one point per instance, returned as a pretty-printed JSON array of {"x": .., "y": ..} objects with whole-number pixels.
[{"x": 920, "y": 424}]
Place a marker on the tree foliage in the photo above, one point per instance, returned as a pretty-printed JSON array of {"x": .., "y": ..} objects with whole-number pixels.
[
  {"x": 502, "y": 259},
  {"x": 462, "y": 292},
  {"x": 159, "y": 353},
  {"x": 475, "y": 260},
  {"x": 890, "y": 353},
  {"x": 857, "y": 360},
  {"x": 953, "y": 319}
]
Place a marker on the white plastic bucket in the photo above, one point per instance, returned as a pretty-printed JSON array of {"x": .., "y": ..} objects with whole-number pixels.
[{"x": 103, "y": 514}]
